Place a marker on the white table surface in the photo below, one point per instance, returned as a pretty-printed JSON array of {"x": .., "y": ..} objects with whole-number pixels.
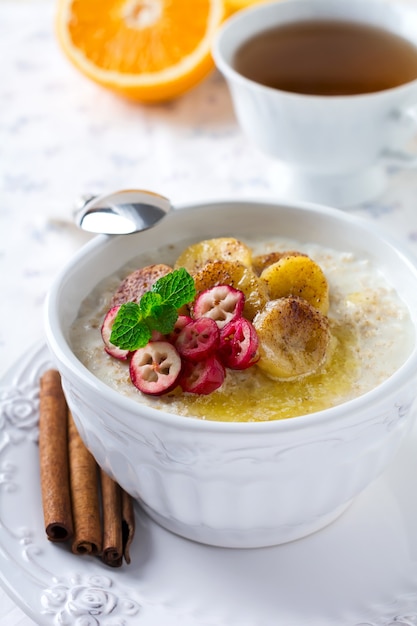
[{"x": 62, "y": 136}]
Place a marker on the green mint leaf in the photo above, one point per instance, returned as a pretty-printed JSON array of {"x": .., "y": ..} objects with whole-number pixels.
[
  {"x": 156, "y": 310},
  {"x": 176, "y": 288},
  {"x": 129, "y": 332},
  {"x": 148, "y": 303},
  {"x": 163, "y": 318}
]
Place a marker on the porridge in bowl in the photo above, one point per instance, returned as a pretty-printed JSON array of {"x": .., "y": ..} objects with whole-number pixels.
[
  {"x": 349, "y": 328},
  {"x": 265, "y": 480}
]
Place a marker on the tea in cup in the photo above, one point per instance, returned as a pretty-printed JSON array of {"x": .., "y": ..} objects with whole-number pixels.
[{"x": 328, "y": 89}]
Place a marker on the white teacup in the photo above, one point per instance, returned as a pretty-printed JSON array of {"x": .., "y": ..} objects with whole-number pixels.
[{"x": 328, "y": 149}]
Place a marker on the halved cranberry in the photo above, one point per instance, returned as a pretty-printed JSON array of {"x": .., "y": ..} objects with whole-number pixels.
[
  {"x": 222, "y": 303},
  {"x": 106, "y": 329},
  {"x": 182, "y": 321},
  {"x": 203, "y": 377},
  {"x": 238, "y": 344},
  {"x": 155, "y": 368},
  {"x": 198, "y": 339},
  {"x": 157, "y": 336}
]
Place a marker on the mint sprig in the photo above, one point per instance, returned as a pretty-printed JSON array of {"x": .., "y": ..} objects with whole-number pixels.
[{"x": 156, "y": 310}]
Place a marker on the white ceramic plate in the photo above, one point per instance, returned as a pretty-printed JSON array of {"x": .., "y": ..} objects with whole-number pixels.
[{"x": 359, "y": 571}]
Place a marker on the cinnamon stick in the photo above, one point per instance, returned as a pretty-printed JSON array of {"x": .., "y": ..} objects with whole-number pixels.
[
  {"x": 69, "y": 483},
  {"x": 111, "y": 494},
  {"x": 128, "y": 524},
  {"x": 84, "y": 494},
  {"x": 53, "y": 458}
]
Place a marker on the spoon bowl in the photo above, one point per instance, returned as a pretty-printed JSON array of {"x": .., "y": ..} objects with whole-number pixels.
[{"x": 122, "y": 212}]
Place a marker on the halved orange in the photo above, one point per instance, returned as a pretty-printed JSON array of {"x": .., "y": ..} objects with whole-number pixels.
[
  {"x": 232, "y": 6},
  {"x": 147, "y": 50}
]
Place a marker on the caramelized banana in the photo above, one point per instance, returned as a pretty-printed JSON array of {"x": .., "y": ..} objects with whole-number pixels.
[
  {"x": 298, "y": 276},
  {"x": 294, "y": 338},
  {"x": 262, "y": 261},
  {"x": 135, "y": 284},
  {"x": 198, "y": 254},
  {"x": 237, "y": 275}
]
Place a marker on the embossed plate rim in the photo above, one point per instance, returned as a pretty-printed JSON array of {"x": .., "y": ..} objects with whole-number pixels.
[{"x": 174, "y": 581}]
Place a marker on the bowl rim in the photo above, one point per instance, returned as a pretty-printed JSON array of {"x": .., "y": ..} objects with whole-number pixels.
[{"x": 68, "y": 362}]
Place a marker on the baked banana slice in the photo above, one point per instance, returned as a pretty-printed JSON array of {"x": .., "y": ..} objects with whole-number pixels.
[
  {"x": 298, "y": 275},
  {"x": 294, "y": 338},
  {"x": 198, "y": 254},
  {"x": 262, "y": 261},
  {"x": 237, "y": 275},
  {"x": 135, "y": 284}
]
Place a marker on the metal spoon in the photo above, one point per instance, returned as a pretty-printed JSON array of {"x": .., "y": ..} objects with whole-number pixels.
[{"x": 122, "y": 212}]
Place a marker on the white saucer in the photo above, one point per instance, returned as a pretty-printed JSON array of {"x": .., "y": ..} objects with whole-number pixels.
[
  {"x": 341, "y": 191},
  {"x": 359, "y": 571}
]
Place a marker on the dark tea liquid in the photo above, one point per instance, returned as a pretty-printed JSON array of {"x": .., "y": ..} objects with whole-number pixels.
[{"x": 327, "y": 58}]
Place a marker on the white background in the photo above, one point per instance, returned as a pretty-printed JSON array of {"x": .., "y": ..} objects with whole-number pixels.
[{"x": 62, "y": 136}]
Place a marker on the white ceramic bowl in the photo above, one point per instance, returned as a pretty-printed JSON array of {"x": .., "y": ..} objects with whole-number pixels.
[{"x": 236, "y": 484}]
